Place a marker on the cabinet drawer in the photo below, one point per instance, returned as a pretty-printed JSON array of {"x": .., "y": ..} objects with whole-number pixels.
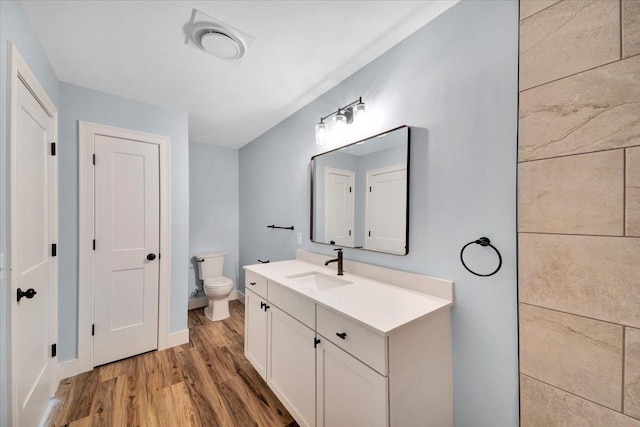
[
  {"x": 293, "y": 304},
  {"x": 363, "y": 343},
  {"x": 256, "y": 283}
]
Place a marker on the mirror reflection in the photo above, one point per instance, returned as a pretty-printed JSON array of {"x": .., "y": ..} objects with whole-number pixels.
[{"x": 360, "y": 194}]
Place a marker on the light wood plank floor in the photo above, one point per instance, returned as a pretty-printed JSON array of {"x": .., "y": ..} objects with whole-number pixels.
[{"x": 205, "y": 383}]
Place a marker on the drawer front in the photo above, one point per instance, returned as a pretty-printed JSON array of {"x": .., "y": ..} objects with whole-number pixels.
[
  {"x": 293, "y": 304},
  {"x": 363, "y": 343},
  {"x": 256, "y": 283}
]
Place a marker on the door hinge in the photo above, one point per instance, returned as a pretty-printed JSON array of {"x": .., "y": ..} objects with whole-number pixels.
[
  {"x": 54, "y": 249},
  {"x": 316, "y": 341},
  {"x": 53, "y": 148},
  {"x": 93, "y": 329},
  {"x": 94, "y": 244},
  {"x": 54, "y": 350},
  {"x": 94, "y": 159}
]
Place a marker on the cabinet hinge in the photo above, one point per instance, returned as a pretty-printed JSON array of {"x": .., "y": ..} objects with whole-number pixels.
[
  {"x": 369, "y": 189},
  {"x": 349, "y": 232},
  {"x": 349, "y": 189},
  {"x": 54, "y": 249},
  {"x": 94, "y": 244},
  {"x": 93, "y": 329},
  {"x": 53, "y": 148},
  {"x": 54, "y": 350},
  {"x": 316, "y": 341},
  {"x": 369, "y": 233},
  {"x": 94, "y": 159}
]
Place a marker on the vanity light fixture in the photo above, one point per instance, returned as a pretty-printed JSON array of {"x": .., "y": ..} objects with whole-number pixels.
[{"x": 343, "y": 116}]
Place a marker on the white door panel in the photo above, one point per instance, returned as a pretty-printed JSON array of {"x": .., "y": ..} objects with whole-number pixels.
[
  {"x": 339, "y": 207},
  {"x": 127, "y": 227},
  {"x": 386, "y": 210},
  {"x": 33, "y": 216},
  {"x": 255, "y": 341},
  {"x": 349, "y": 393},
  {"x": 291, "y": 372}
]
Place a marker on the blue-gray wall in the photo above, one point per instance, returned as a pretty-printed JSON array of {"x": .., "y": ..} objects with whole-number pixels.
[
  {"x": 15, "y": 27},
  {"x": 213, "y": 206},
  {"x": 455, "y": 83},
  {"x": 82, "y": 104}
]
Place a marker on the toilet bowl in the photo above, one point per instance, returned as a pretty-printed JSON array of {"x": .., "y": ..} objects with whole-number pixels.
[{"x": 216, "y": 287}]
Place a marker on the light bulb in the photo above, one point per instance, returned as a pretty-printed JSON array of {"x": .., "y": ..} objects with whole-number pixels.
[
  {"x": 321, "y": 133},
  {"x": 359, "y": 111},
  {"x": 340, "y": 120}
]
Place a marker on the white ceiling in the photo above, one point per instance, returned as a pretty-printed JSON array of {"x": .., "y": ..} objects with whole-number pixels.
[{"x": 136, "y": 49}]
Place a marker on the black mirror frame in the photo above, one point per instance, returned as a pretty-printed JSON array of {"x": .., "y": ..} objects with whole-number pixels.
[{"x": 312, "y": 192}]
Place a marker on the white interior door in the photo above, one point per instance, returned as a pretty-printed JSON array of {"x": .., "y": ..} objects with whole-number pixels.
[
  {"x": 127, "y": 233},
  {"x": 33, "y": 227},
  {"x": 339, "y": 207},
  {"x": 386, "y": 213}
]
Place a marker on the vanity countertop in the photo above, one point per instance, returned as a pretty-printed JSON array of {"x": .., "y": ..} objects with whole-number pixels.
[{"x": 376, "y": 305}]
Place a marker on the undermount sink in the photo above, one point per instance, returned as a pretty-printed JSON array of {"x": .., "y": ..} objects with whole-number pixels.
[{"x": 317, "y": 281}]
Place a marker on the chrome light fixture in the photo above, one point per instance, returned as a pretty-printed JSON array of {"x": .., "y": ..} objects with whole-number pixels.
[{"x": 343, "y": 116}]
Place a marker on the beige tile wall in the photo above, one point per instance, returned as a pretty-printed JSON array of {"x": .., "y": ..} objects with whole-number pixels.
[{"x": 579, "y": 213}]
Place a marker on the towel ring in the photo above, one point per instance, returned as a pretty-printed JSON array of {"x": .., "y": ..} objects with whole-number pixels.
[{"x": 483, "y": 241}]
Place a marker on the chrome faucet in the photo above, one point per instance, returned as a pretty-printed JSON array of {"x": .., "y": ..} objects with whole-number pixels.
[{"x": 339, "y": 260}]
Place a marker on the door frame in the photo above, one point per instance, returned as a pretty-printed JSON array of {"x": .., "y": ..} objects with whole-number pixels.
[
  {"x": 327, "y": 171},
  {"x": 87, "y": 132},
  {"x": 367, "y": 207},
  {"x": 20, "y": 71}
]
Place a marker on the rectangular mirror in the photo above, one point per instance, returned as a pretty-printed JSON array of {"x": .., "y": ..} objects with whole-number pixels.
[{"x": 360, "y": 194}]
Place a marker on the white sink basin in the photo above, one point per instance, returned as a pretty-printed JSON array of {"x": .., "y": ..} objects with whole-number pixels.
[{"x": 317, "y": 281}]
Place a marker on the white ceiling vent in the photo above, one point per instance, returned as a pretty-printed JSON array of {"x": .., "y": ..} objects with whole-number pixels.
[{"x": 217, "y": 38}]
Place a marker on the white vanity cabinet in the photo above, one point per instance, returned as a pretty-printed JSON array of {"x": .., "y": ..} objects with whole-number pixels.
[
  {"x": 349, "y": 393},
  {"x": 333, "y": 370},
  {"x": 255, "y": 332},
  {"x": 291, "y": 365}
]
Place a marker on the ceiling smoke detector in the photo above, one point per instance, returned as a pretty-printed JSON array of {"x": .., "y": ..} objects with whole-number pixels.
[{"x": 217, "y": 38}]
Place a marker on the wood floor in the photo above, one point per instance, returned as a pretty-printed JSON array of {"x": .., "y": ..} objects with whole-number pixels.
[{"x": 205, "y": 383}]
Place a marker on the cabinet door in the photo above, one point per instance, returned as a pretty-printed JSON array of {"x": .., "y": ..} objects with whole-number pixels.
[
  {"x": 291, "y": 371},
  {"x": 349, "y": 393},
  {"x": 255, "y": 333}
]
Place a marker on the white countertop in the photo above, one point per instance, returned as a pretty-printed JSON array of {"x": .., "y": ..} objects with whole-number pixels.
[{"x": 376, "y": 305}]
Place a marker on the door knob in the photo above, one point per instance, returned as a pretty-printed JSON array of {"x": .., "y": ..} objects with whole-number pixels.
[
  {"x": 29, "y": 293},
  {"x": 151, "y": 257}
]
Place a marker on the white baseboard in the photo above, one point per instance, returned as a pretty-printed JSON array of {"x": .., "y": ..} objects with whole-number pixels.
[
  {"x": 198, "y": 302},
  {"x": 68, "y": 369},
  {"x": 178, "y": 338},
  {"x": 236, "y": 294}
]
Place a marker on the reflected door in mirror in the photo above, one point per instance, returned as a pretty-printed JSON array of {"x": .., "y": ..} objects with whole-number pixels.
[{"x": 339, "y": 206}]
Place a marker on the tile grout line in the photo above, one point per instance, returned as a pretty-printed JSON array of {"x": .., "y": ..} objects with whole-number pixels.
[
  {"x": 624, "y": 353},
  {"x": 547, "y": 233},
  {"x": 623, "y": 325},
  {"x": 571, "y": 393},
  {"x": 571, "y": 75},
  {"x": 541, "y": 10},
  {"x": 621, "y": 34},
  {"x": 560, "y": 156},
  {"x": 624, "y": 193}
]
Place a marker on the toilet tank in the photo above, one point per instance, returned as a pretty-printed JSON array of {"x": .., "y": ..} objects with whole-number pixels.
[{"x": 212, "y": 265}]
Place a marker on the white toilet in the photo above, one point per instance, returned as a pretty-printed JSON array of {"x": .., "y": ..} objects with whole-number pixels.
[{"x": 216, "y": 286}]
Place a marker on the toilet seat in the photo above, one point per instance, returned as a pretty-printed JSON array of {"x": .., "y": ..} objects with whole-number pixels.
[{"x": 217, "y": 282}]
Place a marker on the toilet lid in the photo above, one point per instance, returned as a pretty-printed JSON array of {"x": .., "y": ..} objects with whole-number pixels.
[{"x": 218, "y": 281}]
